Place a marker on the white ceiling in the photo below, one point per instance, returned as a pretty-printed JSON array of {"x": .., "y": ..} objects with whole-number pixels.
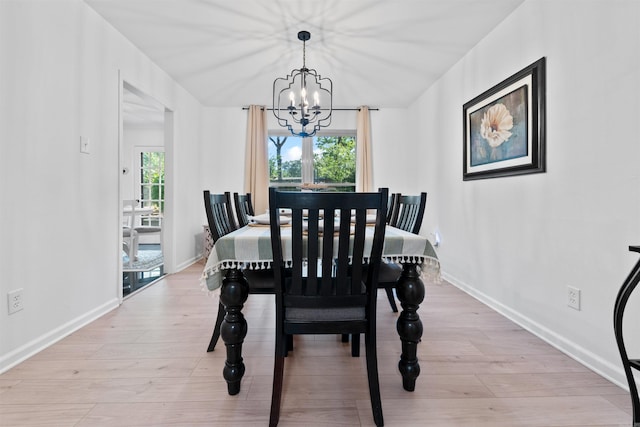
[{"x": 381, "y": 53}]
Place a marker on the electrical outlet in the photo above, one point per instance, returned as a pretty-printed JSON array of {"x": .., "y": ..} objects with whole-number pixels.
[
  {"x": 14, "y": 299},
  {"x": 436, "y": 238},
  {"x": 573, "y": 295}
]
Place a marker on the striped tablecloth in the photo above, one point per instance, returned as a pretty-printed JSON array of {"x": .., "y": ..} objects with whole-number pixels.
[{"x": 250, "y": 247}]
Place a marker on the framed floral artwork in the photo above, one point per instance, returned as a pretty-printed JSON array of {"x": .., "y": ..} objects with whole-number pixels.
[{"x": 504, "y": 127}]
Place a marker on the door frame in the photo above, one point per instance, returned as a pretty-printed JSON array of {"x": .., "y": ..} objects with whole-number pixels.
[{"x": 168, "y": 218}]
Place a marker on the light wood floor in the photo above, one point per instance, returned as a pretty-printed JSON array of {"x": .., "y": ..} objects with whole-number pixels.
[{"x": 145, "y": 364}]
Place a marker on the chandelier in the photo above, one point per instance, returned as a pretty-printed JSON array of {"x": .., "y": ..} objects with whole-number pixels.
[{"x": 291, "y": 96}]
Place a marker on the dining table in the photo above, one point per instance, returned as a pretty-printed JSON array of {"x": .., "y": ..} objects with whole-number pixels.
[
  {"x": 137, "y": 211},
  {"x": 249, "y": 247}
]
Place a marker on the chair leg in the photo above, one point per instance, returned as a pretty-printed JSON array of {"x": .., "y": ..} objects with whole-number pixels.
[
  {"x": 216, "y": 329},
  {"x": 278, "y": 370},
  {"x": 372, "y": 375},
  {"x": 392, "y": 300},
  {"x": 355, "y": 345},
  {"x": 133, "y": 280},
  {"x": 134, "y": 247},
  {"x": 289, "y": 344},
  {"x": 345, "y": 337}
]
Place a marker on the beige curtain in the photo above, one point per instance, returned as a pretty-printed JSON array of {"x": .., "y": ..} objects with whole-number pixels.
[
  {"x": 256, "y": 172},
  {"x": 364, "y": 166}
]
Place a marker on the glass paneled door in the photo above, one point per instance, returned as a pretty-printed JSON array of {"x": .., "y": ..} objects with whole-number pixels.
[{"x": 150, "y": 184}]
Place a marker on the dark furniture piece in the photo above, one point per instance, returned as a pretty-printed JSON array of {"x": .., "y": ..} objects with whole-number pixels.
[
  {"x": 220, "y": 219},
  {"x": 408, "y": 212},
  {"x": 225, "y": 270},
  {"x": 393, "y": 200},
  {"x": 407, "y": 215},
  {"x": 219, "y": 214},
  {"x": 629, "y": 365},
  {"x": 244, "y": 208},
  {"x": 337, "y": 294}
]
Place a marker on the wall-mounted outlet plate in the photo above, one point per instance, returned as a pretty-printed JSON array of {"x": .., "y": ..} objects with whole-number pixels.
[
  {"x": 573, "y": 297},
  {"x": 14, "y": 299}
]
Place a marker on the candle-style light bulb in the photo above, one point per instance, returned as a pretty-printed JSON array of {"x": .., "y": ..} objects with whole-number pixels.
[
  {"x": 292, "y": 99},
  {"x": 316, "y": 99},
  {"x": 303, "y": 94}
]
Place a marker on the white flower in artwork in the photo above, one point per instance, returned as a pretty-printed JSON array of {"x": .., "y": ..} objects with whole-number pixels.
[{"x": 496, "y": 124}]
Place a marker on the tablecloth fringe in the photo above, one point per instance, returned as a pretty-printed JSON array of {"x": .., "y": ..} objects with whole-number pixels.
[
  {"x": 428, "y": 268},
  {"x": 225, "y": 265}
]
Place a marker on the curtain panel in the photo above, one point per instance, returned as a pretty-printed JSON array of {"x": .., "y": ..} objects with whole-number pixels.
[
  {"x": 364, "y": 168},
  {"x": 256, "y": 170}
]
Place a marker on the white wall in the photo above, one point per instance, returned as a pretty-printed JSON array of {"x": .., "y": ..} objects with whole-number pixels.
[
  {"x": 518, "y": 242},
  {"x": 59, "y": 219},
  {"x": 394, "y": 151},
  {"x": 222, "y": 152}
]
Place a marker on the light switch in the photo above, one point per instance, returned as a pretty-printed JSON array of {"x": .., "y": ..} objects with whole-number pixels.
[{"x": 84, "y": 144}]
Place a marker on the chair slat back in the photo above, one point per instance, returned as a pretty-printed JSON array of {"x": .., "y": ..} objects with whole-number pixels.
[
  {"x": 391, "y": 206},
  {"x": 328, "y": 251},
  {"x": 244, "y": 208},
  {"x": 219, "y": 214},
  {"x": 409, "y": 212}
]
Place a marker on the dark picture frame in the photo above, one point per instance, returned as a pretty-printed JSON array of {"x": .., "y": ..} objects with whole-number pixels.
[{"x": 504, "y": 127}]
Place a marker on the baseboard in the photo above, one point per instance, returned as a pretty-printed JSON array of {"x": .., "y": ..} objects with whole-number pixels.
[
  {"x": 21, "y": 354},
  {"x": 188, "y": 263},
  {"x": 602, "y": 367}
]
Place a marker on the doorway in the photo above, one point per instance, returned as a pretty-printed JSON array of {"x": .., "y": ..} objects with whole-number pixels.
[{"x": 142, "y": 189}]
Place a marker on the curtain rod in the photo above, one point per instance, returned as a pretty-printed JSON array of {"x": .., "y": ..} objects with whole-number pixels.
[{"x": 325, "y": 109}]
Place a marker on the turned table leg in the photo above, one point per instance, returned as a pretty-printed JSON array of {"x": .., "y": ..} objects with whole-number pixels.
[
  {"x": 410, "y": 292},
  {"x": 233, "y": 294}
]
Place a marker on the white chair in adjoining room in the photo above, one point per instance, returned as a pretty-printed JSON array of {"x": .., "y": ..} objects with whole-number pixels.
[
  {"x": 147, "y": 230},
  {"x": 129, "y": 234},
  {"x": 133, "y": 230}
]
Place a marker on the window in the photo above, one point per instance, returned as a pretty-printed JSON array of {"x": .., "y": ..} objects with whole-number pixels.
[
  {"x": 151, "y": 177},
  {"x": 325, "y": 161}
]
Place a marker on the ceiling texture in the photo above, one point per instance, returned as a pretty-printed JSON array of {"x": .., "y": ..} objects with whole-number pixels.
[{"x": 380, "y": 53}]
